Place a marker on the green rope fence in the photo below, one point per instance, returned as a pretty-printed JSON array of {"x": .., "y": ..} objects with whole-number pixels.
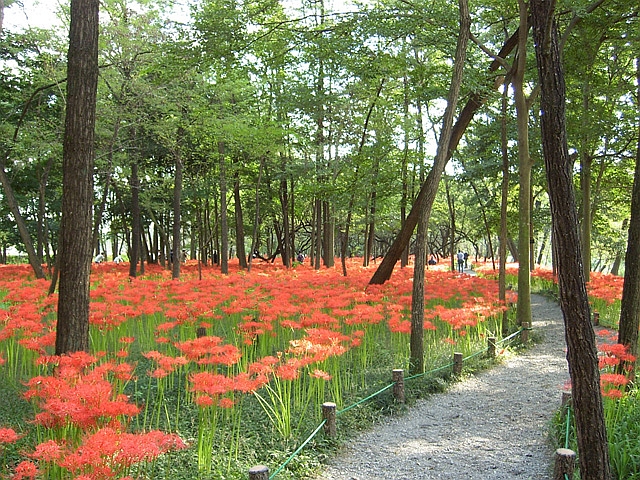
[{"x": 263, "y": 471}]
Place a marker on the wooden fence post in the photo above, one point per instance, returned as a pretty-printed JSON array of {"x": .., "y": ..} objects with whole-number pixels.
[
  {"x": 329, "y": 414},
  {"x": 398, "y": 385},
  {"x": 524, "y": 336},
  {"x": 457, "y": 363},
  {"x": 491, "y": 347},
  {"x": 259, "y": 472},
  {"x": 596, "y": 319},
  {"x": 564, "y": 465}
]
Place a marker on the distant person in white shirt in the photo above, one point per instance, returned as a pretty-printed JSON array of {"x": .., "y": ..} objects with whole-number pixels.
[
  {"x": 118, "y": 259},
  {"x": 99, "y": 258}
]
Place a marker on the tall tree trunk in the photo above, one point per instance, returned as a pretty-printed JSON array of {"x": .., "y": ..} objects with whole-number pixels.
[
  {"x": 502, "y": 268},
  {"x": 429, "y": 188},
  {"x": 239, "y": 219},
  {"x": 452, "y": 222},
  {"x": 328, "y": 234},
  {"x": 318, "y": 233},
  {"x": 630, "y": 305},
  {"x": 256, "y": 220},
  {"x": 136, "y": 228},
  {"x": 585, "y": 184},
  {"x": 287, "y": 254},
  {"x": 524, "y": 173},
  {"x": 177, "y": 213},
  {"x": 582, "y": 354},
  {"x": 417, "y": 298},
  {"x": 224, "y": 228},
  {"x": 72, "y": 330}
]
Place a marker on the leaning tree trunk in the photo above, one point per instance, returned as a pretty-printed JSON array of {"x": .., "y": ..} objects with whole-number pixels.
[
  {"x": 427, "y": 193},
  {"x": 582, "y": 354},
  {"x": 34, "y": 261},
  {"x": 630, "y": 305},
  {"x": 416, "y": 361},
  {"x": 78, "y": 156}
]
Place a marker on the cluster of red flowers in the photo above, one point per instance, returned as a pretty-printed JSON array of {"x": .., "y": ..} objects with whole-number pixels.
[
  {"x": 323, "y": 313},
  {"x": 611, "y": 355}
]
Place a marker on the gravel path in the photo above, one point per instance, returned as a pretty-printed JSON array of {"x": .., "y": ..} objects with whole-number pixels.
[{"x": 490, "y": 426}]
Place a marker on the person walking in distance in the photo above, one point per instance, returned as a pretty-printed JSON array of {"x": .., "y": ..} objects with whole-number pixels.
[{"x": 460, "y": 261}]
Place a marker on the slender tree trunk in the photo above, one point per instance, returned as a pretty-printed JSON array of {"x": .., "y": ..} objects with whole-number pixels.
[
  {"x": 256, "y": 220},
  {"x": 417, "y": 299},
  {"x": 72, "y": 329},
  {"x": 452, "y": 222},
  {"x": 630, "y": 305},
  {"x": 502, "y": 268},
  {"x": 134, "y": 253},
  {"x": 224, "y": 229},
  {"x": 582, "y": 354},
  {"x": 177, "y": 213},
  {"x": 287, "y": 255},
  {"x": 241, "y": 252},
  {"x": 524, "y": 173}
]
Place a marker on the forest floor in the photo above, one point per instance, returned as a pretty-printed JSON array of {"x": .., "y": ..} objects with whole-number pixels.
[{"x": 491, "y": 426}]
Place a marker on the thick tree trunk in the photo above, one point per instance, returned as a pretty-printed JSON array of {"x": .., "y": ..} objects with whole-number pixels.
[
  {"x": 582, "y": 354},
  {"x": 72, "y": 331},
  {"x": 630, "y": 305}
]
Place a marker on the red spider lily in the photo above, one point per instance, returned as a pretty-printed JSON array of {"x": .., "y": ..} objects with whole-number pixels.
[
  {"x": 25, "y": 469},
  {"x": 607, "y": 288},
  {"x": 107, "y": 452},
  {"x": 209, "y": 350},
  {"x": 77, "y": 396},
  {"x": 8, "y": 435},
  {"x": 321, "y": 374}
]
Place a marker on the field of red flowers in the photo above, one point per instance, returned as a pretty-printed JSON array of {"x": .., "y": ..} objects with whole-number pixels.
[{"x": 180, "y": 370}]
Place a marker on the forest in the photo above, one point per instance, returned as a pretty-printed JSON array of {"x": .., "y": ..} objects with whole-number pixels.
[
  {"x": 288, "y": 128},
  {"x": 169, "y": 136}
]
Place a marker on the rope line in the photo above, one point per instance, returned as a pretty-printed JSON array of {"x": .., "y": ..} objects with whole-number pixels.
[
  {"x": 384, "y": 389},
  {"x": 291, "y": 457}
]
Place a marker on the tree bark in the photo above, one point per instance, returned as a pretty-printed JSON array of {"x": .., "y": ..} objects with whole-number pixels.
[
  {"x": 177, "y": 213},
  {"x": 239, "y": 219},
  {"x": 72, "y": 332},
  {"x": 416, "y": 361},
  {"x": 581, "y": 346},
  {"x": 134, "y": 253},
  {"x": 524, "y": 174},
  {"x": 224, "y": 228}
]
